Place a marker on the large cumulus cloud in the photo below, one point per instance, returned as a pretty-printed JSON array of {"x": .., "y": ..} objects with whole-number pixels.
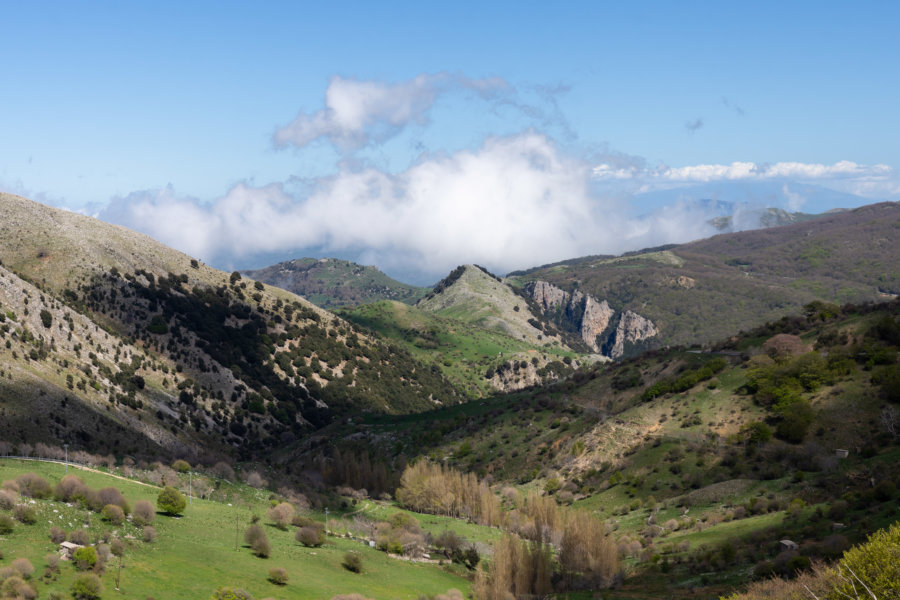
[{"x": 514, "y": 202}]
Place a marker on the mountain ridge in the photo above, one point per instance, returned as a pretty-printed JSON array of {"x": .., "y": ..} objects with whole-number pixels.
[{"x": 334, "y": 283}]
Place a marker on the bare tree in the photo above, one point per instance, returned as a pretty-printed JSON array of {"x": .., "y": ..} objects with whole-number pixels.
[{"x": 891, "y": 420}]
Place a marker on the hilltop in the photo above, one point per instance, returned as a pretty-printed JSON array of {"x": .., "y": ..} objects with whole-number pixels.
[{"x": 333, "y": 283}]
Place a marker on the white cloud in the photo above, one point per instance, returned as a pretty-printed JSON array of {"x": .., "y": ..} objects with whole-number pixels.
[
  {"x": 515, "y": 202},
  {"x": 738, "y": 171},
  {"x": 357, "y": 112}
]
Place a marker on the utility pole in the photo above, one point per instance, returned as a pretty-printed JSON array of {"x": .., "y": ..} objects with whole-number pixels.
[
  {"x": 326, "y": 521},
  {"x": 190, "y": 487},
  {"x": 236, "y": 529},
  {"x": 66, "y": 446}
]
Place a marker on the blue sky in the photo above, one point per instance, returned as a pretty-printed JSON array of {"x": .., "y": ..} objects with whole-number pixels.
[{"x": 418, "y": 136}]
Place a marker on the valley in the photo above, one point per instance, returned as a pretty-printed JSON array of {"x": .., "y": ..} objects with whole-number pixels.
[{"x": 677, "y": 415}]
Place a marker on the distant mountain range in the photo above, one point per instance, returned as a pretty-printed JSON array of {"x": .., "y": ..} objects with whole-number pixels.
[{"x": 679, "y": 294}]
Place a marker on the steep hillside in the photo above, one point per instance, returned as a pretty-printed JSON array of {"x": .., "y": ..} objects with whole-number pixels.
[
  {"x": 332, "y": 283},
  {"x": 197, "y": 356},
  {"x": 698, "y": 292}
]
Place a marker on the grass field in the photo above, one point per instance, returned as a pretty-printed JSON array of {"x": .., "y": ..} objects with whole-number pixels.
[{"x": 195, "y": 553}]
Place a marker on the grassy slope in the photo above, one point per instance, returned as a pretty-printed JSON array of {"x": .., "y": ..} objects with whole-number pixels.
[
  {"x": 462, "y": 350},
  {"x": 195, "y": 554},
  {"x": 332, "y": 283}
]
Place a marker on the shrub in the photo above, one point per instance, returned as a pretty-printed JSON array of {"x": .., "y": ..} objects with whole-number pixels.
[
  {"x": 113, "y": 514},
  {"x": 281, "y": 514},
  {"x": 87, "y": 587},
  {"x": 278, "y": 576},
  {"x": 230, "y": 593},
  {"x": 171, "y": 501},
  {"x": 110, "y": 495},
  {"x": 8, "y": 499},
  {"x": 24, "y": 567},
  {"x": 255, "y": 537},
  {"x": 144, "y": 513},
  {"x": 52, "y": 561},
  {"x": 223, "y": 470},
  {"x": 6, "y": 525},
  {"x": 85, "y": 558},
  {"x": 256, "y": 480},
  {"x": 311, "y": 536},
  {"x": 33, "y": 485},
  {"x": 69, "y": 488},
  {"x": 303, "y": 521},
  {"x": 57, "y": 535},
  {"x": 80, "y": 537},
  {"x": 552, "y": 486},
  {"x": 117, "y": 547},
  {"x": 352, "y": 562},
  {"x": 16, "y": 587},
  {"x": 25, "y": 513},
  {"x": 149, "y": 534},
  {"x": 182, "y": 466}
]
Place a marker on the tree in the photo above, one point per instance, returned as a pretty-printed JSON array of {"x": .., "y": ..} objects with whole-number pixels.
[
  {"x": 872, "y": 565},
  {"x": 46, "y": 318},
  {"x": 171, "y": 501},
  {"x": 87, "y": 587},
  {"x": 182, "y": 466}
]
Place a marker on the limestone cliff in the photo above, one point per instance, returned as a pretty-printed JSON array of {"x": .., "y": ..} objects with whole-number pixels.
[
  {"x": 593, "y": 320},
  {"x": 633, "y": 328}
]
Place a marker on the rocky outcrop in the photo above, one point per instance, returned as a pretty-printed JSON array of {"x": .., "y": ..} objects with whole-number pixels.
[
  {"x": 548, "y": 296},
  {"x": 593, "y": 320},
  {"x": 632, "y": 329}
]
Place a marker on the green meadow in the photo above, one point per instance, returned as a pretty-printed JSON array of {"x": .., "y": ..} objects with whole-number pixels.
[{"x": 203, "y": 549}]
